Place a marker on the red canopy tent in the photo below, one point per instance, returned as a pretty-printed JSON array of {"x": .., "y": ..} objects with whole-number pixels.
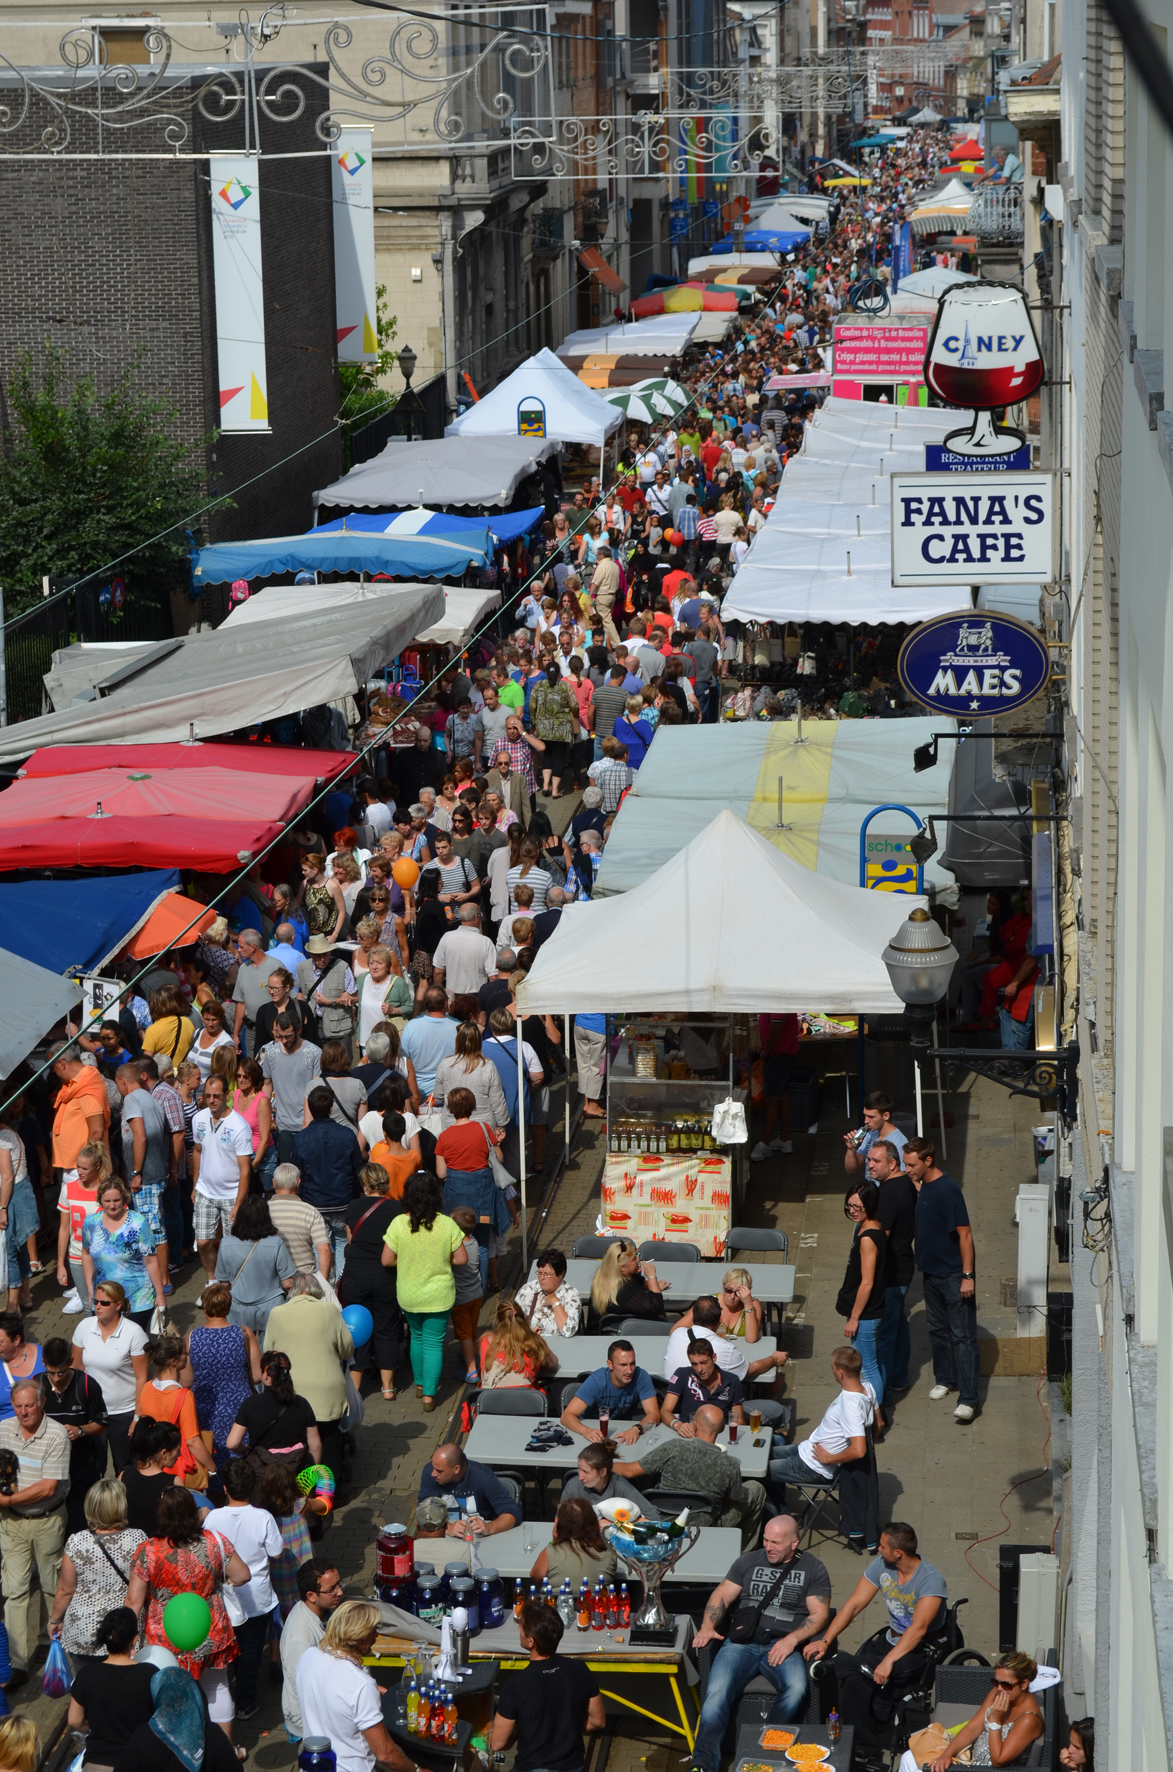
[
  {"x": 218, "y": 795},
  {"x": 267, "y": 759},
  {"x": 215, "y": 846},
  {"x": 967, "y": 150}
]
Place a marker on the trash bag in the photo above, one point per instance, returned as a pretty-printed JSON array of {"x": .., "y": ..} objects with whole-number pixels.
[{"x": 57, "y": 1675}]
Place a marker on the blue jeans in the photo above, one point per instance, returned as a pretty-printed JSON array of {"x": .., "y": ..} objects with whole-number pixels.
[
  {"x": 598, "y": 756},
  {"x": 336, "y": 1231},
  {"x": 734, "y": 1666},
  {"x": 264, "y": 1167},
  {"x": 895, "y": 1343},
  {"x": 1016, "y": 1035},
  {"x": 787, "y": 1465},
  {"x": 952, "y": 1335},
  {"x": 867, "y": 1345}
]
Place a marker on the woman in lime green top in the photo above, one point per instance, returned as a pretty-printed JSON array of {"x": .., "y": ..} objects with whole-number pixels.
[{"x": 424, "y": 1246}]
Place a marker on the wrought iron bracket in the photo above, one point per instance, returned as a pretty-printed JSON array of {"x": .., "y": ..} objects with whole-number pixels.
[{"x": 1040, "y": 1075}]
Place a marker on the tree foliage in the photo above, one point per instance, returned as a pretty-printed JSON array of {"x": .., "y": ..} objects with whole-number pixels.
[
  {"x": 362, "y": 397},
  {"x": 86, "y": 478}
]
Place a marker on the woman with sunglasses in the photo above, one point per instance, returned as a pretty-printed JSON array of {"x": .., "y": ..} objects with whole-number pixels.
[
  {"x": 861, "y": 1296},
  {"x": 1004, "y": 1725},
  {"x": 111, "y": 1348},
  {"x": 741, "y": 1314}
]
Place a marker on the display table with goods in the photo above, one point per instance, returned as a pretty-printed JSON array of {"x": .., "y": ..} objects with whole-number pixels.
[
  {"x": 665, "y": 1177},
  {"x": 793, "y": 1747},
  {"x": 709, "y": 1559}
]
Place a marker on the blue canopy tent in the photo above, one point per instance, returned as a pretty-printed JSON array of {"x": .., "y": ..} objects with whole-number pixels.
[
  {"x": 336, "y": 550},
  {"x": 75, "y": 925},
  {"x": 503, "y": 525},
  {"x": 876, "y": 141},
  {"x": 774, "y": 230}
]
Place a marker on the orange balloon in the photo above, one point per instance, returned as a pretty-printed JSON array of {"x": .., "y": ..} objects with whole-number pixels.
[{"x": 405, "y": 873}]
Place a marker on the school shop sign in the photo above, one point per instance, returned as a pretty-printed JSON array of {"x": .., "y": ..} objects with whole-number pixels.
[
  {"x": 967, "y": 529},
  {"x": 973, "y": 663}
]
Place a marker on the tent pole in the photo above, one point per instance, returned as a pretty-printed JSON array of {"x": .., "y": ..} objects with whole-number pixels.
[
  {"x": 566, "y": 1039},
  {"x": 920, "y": 1112},
  {"x": 521, "y": 1147},
  {"x": 941, "y": 1102}
]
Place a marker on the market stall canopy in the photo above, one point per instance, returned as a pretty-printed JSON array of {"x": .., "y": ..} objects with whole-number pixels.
[
  {"x": 154, "y": 793},
  {"x": 175, "y": 922},
  {"x": 927, "y": 115},
  {"x": 463, "y": 607},
  {"x": 663, "y": 335},
  {"x": 830, "y": 783},
  {"x": 75, "y": 670},
  {"x": 503, "y": 525},
  {"x": 819, "y": 945},
  {"x": 272, "y": 759},
  {"x": 411, "y": 556},
  {"x": 967, "y": 150},
  {"x": 726, "y": 261},
  {"x": 945, "y": 211},
  {"x": 775, "y": 230},
  {"x": 77, "y": 925},
  {"x": 35, "y": 1001},
  {"x": 686, "y": 298},
  {"x": 546, "y": 396},
  {"x": 472, "y": 471},
  {"x": 807, "y": 208},
  {"x": 233, "y": 677},
  {"x": 212, "y": 845}
]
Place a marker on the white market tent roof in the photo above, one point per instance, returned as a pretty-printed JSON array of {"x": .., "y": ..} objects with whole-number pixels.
[
  {"x": 816, "y": 943},
  {"x": 35, "y": 1001},
  {"x": 479, "y": 471},
  {"x": 797, "y": 568},
  {"x": 75, "y": 670},
  {"x": 660, "y": 335},
  {"x": 830, "y": 783},
  {"x": 727, "y": 261},
  {"x": 464, "y": 607},
  {"x": 573, "y": 413},
  {"x": 237, "y": 675}
]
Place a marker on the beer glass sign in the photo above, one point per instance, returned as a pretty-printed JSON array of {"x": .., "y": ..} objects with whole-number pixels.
[{"x": 983, "y": 353}]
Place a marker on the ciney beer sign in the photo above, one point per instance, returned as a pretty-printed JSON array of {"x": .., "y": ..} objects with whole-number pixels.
[
  {"x": 967, "y": 529},
  {"x": 974, "y": 663}
]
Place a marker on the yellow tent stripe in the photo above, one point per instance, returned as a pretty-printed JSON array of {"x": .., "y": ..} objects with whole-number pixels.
[{"x": 806, "y": 775}]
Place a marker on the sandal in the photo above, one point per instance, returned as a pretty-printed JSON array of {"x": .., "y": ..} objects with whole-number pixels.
[
  {"x": 242, "y": 1753},
  {"x": 36, "y": 1267},
  {"x": 472, "y": 1376},
  {"x": 389, "y": 1396}
]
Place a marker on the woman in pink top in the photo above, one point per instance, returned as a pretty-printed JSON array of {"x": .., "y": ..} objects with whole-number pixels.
[
  {"x": 583, "y": 691},
  {"x": 253, "y": 1105}
]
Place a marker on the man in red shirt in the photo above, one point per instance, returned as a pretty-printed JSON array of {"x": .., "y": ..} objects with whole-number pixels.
[
  {"x": 710, "y": 455},
  {"x": 778, "y": 1035}
]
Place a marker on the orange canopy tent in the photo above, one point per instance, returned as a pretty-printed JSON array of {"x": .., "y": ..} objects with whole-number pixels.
[{"x": 175, "y": 922}]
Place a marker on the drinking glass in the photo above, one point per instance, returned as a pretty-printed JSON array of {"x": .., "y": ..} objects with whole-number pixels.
[
  {"x": 755, "y": 1420},
  {"x": 732, "y": 1431},
  {"x": 983, "y": 353},
  {"x": 604, "y": 1423}
]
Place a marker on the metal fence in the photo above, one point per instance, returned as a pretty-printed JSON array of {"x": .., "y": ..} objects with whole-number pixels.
[
  {"x": 996, "y": 213},
  {"x": 31, "y": 639}
]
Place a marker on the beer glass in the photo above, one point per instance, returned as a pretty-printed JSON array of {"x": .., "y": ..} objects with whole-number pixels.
[
  {"x": 732, "y": 1431},
  {"x": 755, "y": 1421},
  {"x": 983, "y": 353}
]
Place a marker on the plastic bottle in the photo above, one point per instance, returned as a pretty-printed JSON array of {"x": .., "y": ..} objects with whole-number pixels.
[
  {"x": 437, "y": 1727},
  {"x": 518, "y": 1597},
  {"x": 583, "y": 1617},
  {"x": 566, "y": 1609},
  {"x": 450, "y": 1719},
  {"x": 598, "y": 1608},
  {"x": 624, "y": 1605},
  {"x": 413, "y": 1704},
  {"x": 612, "y": 1612},
  {"x": 423, "y": 1711},
  {"x": 833, "y": 1725}
]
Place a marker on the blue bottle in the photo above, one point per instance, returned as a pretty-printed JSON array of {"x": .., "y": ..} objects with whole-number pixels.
[{"x": 316, "y": 1755}]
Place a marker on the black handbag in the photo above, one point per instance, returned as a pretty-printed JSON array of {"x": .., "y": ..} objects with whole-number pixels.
[{"x": 743, "y": 1627}]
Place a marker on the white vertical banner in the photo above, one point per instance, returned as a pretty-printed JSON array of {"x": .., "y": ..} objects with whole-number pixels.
[
  {"x": 240, "y": 306},
  {"x": 354, "y": 246}
]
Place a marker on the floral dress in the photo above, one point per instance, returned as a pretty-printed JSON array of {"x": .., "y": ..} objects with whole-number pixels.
[
  {"x": 554, "y": 713},
  {"x": 121, "y": 1255},
  {"x": 103, "y": 1570},
  {"x": 321, "y": 913},
  {"x": 219, "y": 1361},
  {"x": 196, "y": 1568}
]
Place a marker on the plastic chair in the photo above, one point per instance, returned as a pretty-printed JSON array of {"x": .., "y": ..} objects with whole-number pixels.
[
  {"x": 592, "y": 1248},
  {"x": 654, "y": 1251},
  {"x": 762, "y": 1241},
  {"x": 648, "y": 1326},
  {"x": 517, "y": 1400}
]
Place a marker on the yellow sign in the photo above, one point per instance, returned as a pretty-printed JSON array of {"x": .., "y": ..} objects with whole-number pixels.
[{"x": 889, "y": 865}]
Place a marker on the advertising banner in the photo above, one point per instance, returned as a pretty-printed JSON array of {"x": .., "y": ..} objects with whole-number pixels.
[
  {"x": 354, "y": 246},
  {"x": 976, "y": 528},
  {"x": 240, "y": 306},
  {"x": 974, "y": 663},
  {"x": 880, "y": 353}
]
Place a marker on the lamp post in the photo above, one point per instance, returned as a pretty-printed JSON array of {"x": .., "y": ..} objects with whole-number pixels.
[
  {"x": 920, "y": 959},
  {"x": 409, "y": 410}
]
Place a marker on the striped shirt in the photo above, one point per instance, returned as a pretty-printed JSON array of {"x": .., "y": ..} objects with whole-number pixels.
[
  {"x": 707, "y": 528},
  {"x": 43, "y": 1455},
  {"x": 538, "y": 878}
]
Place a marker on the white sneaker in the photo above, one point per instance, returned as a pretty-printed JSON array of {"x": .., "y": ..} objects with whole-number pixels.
[
  {"x": 963, "y": 1412},
  {"x": 759, "y": 1153},
  {"x": 938, "y": 1391},
  {"x": 72, "y": 1304},
  {"x": 783, "y": 1146}
]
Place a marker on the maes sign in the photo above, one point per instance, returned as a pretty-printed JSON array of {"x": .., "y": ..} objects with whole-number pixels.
[{"x": 974, "y": 663}]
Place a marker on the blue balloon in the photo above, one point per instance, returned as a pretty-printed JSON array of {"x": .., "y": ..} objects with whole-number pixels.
[{"x": 360, "y": 1322}]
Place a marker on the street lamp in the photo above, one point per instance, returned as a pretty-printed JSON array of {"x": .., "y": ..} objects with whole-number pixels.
[
  {"x": 920, "y": 959},
  {"x": 407, "y": 361}
]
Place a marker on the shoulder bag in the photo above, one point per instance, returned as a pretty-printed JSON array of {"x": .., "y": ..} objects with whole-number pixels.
[
  {"x": 744, "y": 1623},
  {"x": 293, "y": 1458}
]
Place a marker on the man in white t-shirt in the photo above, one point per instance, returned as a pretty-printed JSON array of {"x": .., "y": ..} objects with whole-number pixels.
[
  {"x": 320, "y": 1587},
  {"x": 339, "y": 1699},
  {"x": 731, "y": 1353},
  {"x": 255, "y": 1536},
  {"x": 222, "y": 1160},
  {"x": 841, "y": 1436}
]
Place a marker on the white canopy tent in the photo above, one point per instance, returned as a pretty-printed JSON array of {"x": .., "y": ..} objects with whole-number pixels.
[
  {"x": 35, "y": 1000},
  {"x": 728, "y": 261},
  {"x": 572, "y": 412},
  {"x": 240, "y": 674},
  {"x": 445, "y": 471},
  {"x": 660, "y": 335},
  {"x": 819, "y": 946},
  {"x": 464, "y": 607}
]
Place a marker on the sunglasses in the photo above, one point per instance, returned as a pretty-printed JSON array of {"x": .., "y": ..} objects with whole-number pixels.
[{"x": 1006, "y": 1685}]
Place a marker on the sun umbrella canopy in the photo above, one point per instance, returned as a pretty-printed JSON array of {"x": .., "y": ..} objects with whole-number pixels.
[
  {"x": 668, "y": 389},
  {"x": 400, "y": 556},
  {"x": 503, "y": 525},
  {"x": 150, "y": 794},
  {"x": 830, "y": 183},
  {"x": 175, "y": 922},
  {"x": 685, "y": 298},
  {"x": 269, "y": 759},
  {"x": 641, "y": 405},
  {"x": 210, "y": 845}
]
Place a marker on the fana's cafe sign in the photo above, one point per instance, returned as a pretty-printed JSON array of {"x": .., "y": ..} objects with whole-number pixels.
[{"x": 974, "y": 663}]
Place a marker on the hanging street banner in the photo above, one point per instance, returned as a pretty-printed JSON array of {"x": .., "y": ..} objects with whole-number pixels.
[
  {"x": 240, "y": 307},
  {"x": 969, "y": 529},
  {"x": 974, "y": 663},
  {"x": 353, "y": 169}
]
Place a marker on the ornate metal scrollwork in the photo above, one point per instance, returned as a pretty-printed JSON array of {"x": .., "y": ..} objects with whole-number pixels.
[
  {"x": 1042, "y": 1076},
  {"x": 647, "y": 145}
]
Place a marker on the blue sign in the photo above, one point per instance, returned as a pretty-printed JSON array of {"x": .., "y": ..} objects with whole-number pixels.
[
  {"x": 939, "y": 460},
  {"x": 974, "y": 663},
  {"x": 901, "y": 255}
]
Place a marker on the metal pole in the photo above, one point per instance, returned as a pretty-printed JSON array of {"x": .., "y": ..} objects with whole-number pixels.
[
  {"x": 3, "y": 666},
  {"x": 920, "y": 1112},
  {"x": 521, "y": 1080},
  {"x": 566, "y": 1135}
]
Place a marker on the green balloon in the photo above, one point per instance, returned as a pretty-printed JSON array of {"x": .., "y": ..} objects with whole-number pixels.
[{"x": 187, "y": 1619}]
